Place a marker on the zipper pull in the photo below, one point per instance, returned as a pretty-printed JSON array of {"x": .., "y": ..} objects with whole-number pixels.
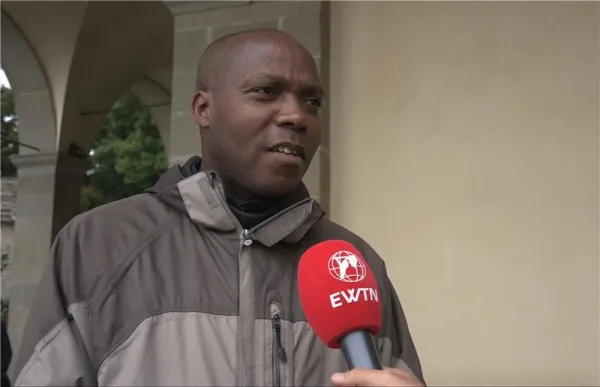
[
  {"x": 280, "y": 349},
  {"x": 246, "y": 238}
]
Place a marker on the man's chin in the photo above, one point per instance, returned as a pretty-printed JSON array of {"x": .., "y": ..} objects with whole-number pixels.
[{"x": 277, "y": 187}]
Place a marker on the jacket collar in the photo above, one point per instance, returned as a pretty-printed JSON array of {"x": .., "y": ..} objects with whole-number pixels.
[{"x": 202, "y": 197}]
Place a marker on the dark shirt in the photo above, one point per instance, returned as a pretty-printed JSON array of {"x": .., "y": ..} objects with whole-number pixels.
[
  {"x": 248, "y": 212},
  {"x": 253, "y": 212}
]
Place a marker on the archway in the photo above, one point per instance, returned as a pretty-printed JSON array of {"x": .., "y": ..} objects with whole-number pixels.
[
  {"x": 107, "y": 60},
  {"x": 36, "y": 165},
  {"x": 33, "y": 98}
]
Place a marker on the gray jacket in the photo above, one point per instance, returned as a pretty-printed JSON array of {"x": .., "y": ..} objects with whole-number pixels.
[{"x": 166, "y": 288}]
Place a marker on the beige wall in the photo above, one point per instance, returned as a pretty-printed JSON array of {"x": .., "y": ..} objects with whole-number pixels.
[{"x": 464, "y": 148}]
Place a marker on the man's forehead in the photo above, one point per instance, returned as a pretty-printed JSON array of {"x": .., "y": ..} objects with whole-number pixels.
[
  {"x": 263, "y": 58},
  {"x": 239, "y": 53}
]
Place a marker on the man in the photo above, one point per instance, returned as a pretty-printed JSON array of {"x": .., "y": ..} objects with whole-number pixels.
[{"x": 194, "y": 281}]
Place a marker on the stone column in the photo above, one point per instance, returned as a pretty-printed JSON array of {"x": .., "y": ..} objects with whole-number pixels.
[
  {"x": 70, "y": 177},
  {"x": 33, "y": 235},
  {"x": 198, "y": 23},
  {"x": 191, "y": 37}
]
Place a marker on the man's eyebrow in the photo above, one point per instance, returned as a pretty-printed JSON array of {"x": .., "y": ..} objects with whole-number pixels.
[
  {"x": 276, "y": 80},
  {"x": 316, "y": 89}
]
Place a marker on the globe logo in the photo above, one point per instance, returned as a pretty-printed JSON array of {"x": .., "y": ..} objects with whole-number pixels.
[{"x": 346, "y": 267}]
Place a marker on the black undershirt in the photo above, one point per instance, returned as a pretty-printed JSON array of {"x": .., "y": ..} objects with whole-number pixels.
[
  {"x": 251, "y": 213},
  {"x": 248, "y": 212}
]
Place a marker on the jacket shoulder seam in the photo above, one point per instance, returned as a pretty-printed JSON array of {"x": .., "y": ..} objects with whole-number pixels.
[
  {"x": 133, "y": 329},
  {"x": 97, "y": 302}
]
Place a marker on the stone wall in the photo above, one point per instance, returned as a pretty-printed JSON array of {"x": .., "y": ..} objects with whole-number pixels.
[{"x": 9, "y": 203}]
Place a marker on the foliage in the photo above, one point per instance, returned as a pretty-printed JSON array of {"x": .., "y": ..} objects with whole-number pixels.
[
  {"x": 10, "y": 133},
  {"x": 128, "y": 156}
]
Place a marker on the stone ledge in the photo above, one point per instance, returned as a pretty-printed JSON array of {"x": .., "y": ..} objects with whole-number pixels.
[
  {"x": 46, "y": 162},
  {"x": 220, "y": 31},
  {"x": 263, "y": 11},
  {"x": 186, "y": 7},
  {"x": 35, "y": 160}
]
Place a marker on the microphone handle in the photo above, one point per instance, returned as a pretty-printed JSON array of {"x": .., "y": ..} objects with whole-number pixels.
[{"x": 360, "y": 351}]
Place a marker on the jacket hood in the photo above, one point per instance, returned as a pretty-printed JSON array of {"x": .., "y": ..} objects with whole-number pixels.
[{"x": 200, "y": 195}]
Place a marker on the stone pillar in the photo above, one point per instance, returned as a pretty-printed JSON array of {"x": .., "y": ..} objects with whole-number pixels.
[
  {"x": 70, "y": 177},
  {"x": 191, "y": 37},
  {"x": 198, "y": 23},
  {"x": 33, "y": 236}
]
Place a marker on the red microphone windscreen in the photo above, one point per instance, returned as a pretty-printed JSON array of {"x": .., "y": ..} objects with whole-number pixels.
[{"x": 338, "y": 291}]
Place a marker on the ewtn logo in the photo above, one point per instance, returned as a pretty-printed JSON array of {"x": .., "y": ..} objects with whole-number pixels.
[
  {"x": 351, "y": 296},
  {"x": 347, "y": 267}
]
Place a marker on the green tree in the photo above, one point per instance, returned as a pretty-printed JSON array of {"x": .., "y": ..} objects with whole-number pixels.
[
  {"x": 10, "y": 132},
  {"x": 128, "y": 156}
]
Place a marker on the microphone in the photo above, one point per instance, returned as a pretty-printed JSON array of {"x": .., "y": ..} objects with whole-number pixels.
[{"x": 341, "y": 301}]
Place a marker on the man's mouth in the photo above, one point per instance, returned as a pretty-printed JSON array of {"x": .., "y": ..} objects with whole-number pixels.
[{"x": 289, "y": 149}]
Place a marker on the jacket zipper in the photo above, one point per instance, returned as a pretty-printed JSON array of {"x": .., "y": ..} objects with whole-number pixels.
[
  {"x": 246, "y": 240},
  {"x": 279, "y": 355}
]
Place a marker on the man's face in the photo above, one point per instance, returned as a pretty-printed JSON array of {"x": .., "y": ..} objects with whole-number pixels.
[{"x": 263, "y": 117}]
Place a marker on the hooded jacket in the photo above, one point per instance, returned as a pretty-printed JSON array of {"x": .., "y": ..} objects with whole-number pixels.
[{"x": 168, "y": 288}]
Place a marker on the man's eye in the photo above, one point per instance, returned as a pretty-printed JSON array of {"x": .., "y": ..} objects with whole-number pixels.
[
  {"x": 265, "y": 90},
  {"x": 315, "y": 102}
]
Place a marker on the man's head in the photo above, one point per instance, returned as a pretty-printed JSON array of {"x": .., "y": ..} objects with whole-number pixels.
[{"x": 257, "y": 104}]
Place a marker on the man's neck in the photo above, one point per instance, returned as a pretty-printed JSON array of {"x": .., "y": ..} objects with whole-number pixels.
[
  {"x": 241, "y": 198},
  {"x": 247, "y": 201},
  {"x": 231, "y": 188}
]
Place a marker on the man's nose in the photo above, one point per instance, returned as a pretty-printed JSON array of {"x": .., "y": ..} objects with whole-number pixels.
[{"x": 291, "y": 115}]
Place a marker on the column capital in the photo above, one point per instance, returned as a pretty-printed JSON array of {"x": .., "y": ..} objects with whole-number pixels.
[
  {"x": 35, "y": 160},
  {"x": 186, "y": 7},
  {"x": 46, "y": 162}
]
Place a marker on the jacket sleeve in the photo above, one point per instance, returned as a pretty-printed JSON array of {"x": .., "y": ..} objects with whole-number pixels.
[
  {"x": 395, "y": 343},
  {"x": 57, "y": 333},
  {"x": 404, "y": 353}
]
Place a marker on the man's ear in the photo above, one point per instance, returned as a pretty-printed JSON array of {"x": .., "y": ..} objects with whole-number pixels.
[{"x": 201, "y": 108}]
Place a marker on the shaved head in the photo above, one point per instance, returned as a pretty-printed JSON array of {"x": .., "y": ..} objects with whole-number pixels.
[
  {"x": 257, "y": 101},
  {"x": 217, "y": 57}
]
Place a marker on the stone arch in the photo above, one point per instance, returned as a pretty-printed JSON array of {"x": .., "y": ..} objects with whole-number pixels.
[
  {"x": 33, "y": 97},
  {"x": 36, "y": 168},
  {"x": 106, "y": 61}
]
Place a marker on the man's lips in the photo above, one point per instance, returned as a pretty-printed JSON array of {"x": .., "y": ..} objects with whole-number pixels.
[{"x": 289, "y": 148}]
